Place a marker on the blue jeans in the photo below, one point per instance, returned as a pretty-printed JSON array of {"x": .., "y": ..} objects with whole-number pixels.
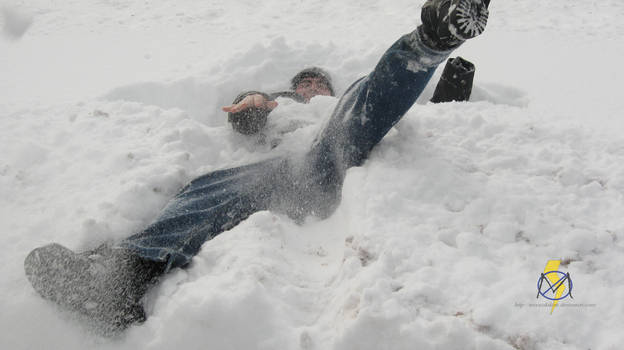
[{"x": 298, "y": 186}]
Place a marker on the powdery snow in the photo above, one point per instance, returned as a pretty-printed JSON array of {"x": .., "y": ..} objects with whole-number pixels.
[{"x": 109, "y": 107}]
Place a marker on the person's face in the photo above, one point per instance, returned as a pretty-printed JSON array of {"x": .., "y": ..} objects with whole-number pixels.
[{"x": 312, "y": 86}]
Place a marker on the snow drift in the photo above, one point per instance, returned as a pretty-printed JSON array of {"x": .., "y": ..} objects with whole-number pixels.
[{"x": 109, "y": 108}]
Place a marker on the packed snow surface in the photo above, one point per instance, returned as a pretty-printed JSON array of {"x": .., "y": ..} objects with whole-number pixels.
[{"x": 108, "y": 108}]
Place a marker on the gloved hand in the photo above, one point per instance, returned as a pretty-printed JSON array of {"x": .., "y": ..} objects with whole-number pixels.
[{"x": 249, "y": 114}]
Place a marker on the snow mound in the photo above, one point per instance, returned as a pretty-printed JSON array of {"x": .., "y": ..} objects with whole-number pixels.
[
  {"x": 262, "y": 67},
  {"x": 441, "y": 235},
  {"x": 447, "y": 224}
]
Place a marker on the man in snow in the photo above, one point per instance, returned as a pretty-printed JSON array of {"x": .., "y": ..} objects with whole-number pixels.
[
  {"x": 106, "y": 285},
  {"x": 249, "y": 110}
]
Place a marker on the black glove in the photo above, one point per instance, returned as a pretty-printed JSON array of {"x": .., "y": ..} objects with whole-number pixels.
[
  {"x": 250, "y": 120},
  {"x": 456, "y": 81}
]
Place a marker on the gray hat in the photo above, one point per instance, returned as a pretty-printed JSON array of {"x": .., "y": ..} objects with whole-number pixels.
[{"x": 312, "y": 72}]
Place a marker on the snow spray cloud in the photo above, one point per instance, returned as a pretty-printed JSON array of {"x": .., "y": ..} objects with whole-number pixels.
[{"x": 16, "y": 23}]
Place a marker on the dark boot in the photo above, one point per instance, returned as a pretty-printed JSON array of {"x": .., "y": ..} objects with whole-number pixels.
[
  {"x": 446, "y": 24},
  {"x": 105, "y": 285},
  {"x": 456, "y": 81}
]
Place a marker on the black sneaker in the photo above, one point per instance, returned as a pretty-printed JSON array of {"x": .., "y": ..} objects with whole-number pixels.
[
  {"x": 446, "y": 24},
  {"x": 105, "y": 285}
]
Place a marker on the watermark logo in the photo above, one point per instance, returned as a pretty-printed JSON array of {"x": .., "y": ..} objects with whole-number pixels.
[{"x": 553, "y": 284}]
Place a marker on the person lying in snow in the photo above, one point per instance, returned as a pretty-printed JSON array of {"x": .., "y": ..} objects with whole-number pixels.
[
  {"x": 249, "y": 110},
  {"x": 106, "y": 285}
]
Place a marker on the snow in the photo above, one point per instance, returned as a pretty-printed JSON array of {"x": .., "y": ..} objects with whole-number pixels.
[{"x": 109, "y": 107}]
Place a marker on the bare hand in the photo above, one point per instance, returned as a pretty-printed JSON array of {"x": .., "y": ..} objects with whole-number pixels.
[{"x": 250, "y": 101}]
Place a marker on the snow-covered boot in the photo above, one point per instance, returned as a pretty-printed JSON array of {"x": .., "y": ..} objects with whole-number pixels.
[
  {"x": 105, "y": 285},
  {"x": 446, "y": 24}
]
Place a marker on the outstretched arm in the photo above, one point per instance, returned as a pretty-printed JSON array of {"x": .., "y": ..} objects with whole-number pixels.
[
  {"x": 249, "y": 100},
  {"x": 248, "y": 113}
]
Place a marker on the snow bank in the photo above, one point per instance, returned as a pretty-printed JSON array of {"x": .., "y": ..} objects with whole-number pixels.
[{"x": 440, "y": 237}]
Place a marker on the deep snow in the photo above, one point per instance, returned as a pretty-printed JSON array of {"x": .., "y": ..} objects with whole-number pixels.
[{"x": 109, "y": 107}]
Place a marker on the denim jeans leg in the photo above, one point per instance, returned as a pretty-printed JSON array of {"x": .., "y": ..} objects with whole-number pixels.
[
  {"x": 207, "y": 206},
  {"x": 367, "y": 111}
]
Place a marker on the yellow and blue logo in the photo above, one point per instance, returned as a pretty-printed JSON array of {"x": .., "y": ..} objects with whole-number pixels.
[{"x": 558, "y": 284}]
